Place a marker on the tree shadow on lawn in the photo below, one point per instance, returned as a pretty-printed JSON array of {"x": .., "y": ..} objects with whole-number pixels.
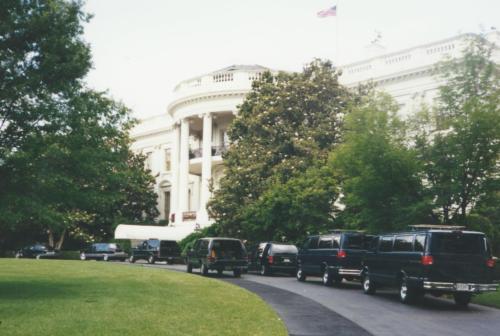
[{"x": 38, "y": 290}]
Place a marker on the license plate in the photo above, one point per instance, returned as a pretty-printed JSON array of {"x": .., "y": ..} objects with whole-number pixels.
[
  {"x": 462, "y": 287},
  {"x": 286, "y": 260}
]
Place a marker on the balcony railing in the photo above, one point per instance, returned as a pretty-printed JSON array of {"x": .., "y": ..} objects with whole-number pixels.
[{"x": 216, "y": 151}]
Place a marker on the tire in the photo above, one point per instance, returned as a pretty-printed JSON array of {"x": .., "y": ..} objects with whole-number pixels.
[
  {"x": 327, "y": 278},
  {"x": 83, "y": 257},
  {"x": 300, "y": 275},
  {"x": 105, "y": 257},
  {"x": 237, "y": 272},
  {"x": 204, "y": 270},
  {"x": 264, "y": 270},
  {"x": 170, "y": 262},
  {"x": 189, "y": 268},
  {"x": 462, "y": 299},
  {"x": 369, "y": 287},
  {"x": 18, "y": 255},
  {"x": 131, "y": 259},
  {"x": 37, "y": 257},
  {"x": 151, "y": 259},
  {"x": 407, "y": 294}
]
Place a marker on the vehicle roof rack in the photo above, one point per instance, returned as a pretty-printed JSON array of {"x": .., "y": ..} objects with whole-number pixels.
[
  {"x": 435, "y": 227},
  {"x": 345, "y": 230}
]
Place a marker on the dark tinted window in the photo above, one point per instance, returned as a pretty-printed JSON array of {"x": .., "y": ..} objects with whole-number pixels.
[
  {"x": 170, "y": 245},
  {"x": 153, "y": 243},
  {"x": 228, "y": 248},
  {"x": 203, "y": 245},
  {"x": 336, "y": 241},
  {"x": 420, "y": 243},
  {"x": 457, "y": 243},
  {"x": 403, "y": 243},
  {"x": 311, "y": 243},
  {"x": 283, "y": 248},
  {"x": 353, "y": 242},
  {"x": 385, "y": 244},
  {"x": 325, "y": 242},
  {"x": 104, "y": 247}
]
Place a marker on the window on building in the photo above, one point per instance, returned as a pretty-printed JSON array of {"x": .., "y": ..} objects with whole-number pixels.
[
  {"x": 166, "y": 203},
  {"x": 148, "y": 163},
  {"x": 168, "y": 160}
]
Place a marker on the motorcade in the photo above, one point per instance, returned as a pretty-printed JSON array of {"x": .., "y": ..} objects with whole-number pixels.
[
  {"x": 104, "y": 252},
  {"x": 153, "y": 250},
  {"x": 334, "y": 256},
  {"x": 430, "y": 259},
  {"x": 220, "y": 254},
  {"x": 36, "y": 251},
  {"x": 270, "y": 257}
]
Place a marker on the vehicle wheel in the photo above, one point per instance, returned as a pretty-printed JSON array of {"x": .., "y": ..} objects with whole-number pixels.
[
  {"x": 170, "y": 262},
  {"x": 151, "y": 259},
  {"x": 264, "y": 270},
  {"x": 219, "y": 272},
  {"x": 301, "y": 276},
  {"x": 462, "y": 299},
  {"x": 131, "y": 259},
  {"x": 237, "y": 272},
  {"x": 368, "y": 286},
  {"x": 189, "y": 268},
  {"x": 18, "y": 255},
  {"x": 204, "y": 270},
  {"x": 327, "y": 277},
  {"x": 406, "y": 293},
  {"x": 83, "y": 256},
  {"x": 105, "y": 257},
  {"x": 337, "y": 281},
  {"x": 37, "y": 257}
]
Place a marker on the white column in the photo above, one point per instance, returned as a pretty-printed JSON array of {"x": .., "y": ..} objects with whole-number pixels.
[
  {"x": 206, "y": 168},
  {"x": 183, "y": 169},
  {"x": 174, "y": 191}
]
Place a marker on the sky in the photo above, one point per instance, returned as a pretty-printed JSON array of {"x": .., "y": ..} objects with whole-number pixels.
[{"x": 142, "y": 49}]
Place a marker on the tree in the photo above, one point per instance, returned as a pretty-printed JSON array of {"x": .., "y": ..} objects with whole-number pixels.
[
  {"x": 288, "y": 123},
  {"x": 459, "y": 139},
  {"x": 65, "y": 164},
  {"x": 379, "y": 175}
]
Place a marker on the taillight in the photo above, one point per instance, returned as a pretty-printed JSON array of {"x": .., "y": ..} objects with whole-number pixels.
[
  {"x": 270, "y": 259},
  {"x": 427, "y": 260},
  {"x": 342, "y": 254},
  {"x": 490, "y": 262}
]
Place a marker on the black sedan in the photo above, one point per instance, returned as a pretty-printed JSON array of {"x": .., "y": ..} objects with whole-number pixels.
[
  {"x": 36, "y": 251},
  {"x": 104, "y": 252}
]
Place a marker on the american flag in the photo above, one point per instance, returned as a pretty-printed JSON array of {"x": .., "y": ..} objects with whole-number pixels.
[{"x": 332, "y": 11}]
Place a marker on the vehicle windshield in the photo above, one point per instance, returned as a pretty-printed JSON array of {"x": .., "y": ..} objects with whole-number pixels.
[
  {"x": 284, "y": 249},
  {"x": 105, "y": 247},
  {"x": 154, "y": 243},
  {"x": 354, "y": 242},
  {"x": 456, "y": 243}
]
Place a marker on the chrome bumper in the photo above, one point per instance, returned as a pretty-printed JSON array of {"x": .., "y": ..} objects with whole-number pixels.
[
  {"x": 460, "y": 287},
  {"x": 351, "y": 272}
]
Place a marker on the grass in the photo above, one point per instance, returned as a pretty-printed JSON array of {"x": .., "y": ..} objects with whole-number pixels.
[
  {"x": 491, "y": 299},
  {"x": 56, "y": 297}
]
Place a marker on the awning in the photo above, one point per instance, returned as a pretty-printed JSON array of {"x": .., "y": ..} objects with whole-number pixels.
[{"x": 143, "y": 232}]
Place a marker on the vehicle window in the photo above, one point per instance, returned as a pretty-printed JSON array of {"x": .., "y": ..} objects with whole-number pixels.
[
  {"x": 457, "y": 243},
  {"x": 354, "y": 242},
  {"x": 403, "y": 243},
  {"x": 104, "y": 247},
  {"x": 203, "y": 245},
  {"x": 153, "y": 243},
  {"x": 420, "y": 243},
  {"x": 275, "y": 248},
  {"x": 385, "y": 244},
  {"x": 325, "y": 242},
  {"x": 228, "y": 248},
  {"x": 311, "y": 243},
  {"x": 336, "y": 241}
]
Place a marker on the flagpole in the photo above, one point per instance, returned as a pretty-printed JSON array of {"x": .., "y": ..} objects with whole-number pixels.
[{"x": 337, "y": 42}]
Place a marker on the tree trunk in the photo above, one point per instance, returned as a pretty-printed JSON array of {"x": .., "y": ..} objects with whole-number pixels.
[
  {"x": 61, "y": 240},
  {"x": 51, "y": 238}
]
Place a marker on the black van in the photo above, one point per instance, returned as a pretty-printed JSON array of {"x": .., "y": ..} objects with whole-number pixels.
[
  {"x": 430, "y": 259},
  {"x": 269, "y": 257},
  {"x": 153, "y": 250},
  {"x": 334, "y": 256},
  {"x": 217, "y": 254}
]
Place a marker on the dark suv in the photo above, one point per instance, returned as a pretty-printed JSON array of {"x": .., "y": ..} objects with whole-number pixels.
[
  {"x": 217, "y": 254},
  {"x": 333, "y": 256},
  {"x": 273, "y": 257},
  {"x": 432, "y": 259},
  {"x": 153, "y": 250}
]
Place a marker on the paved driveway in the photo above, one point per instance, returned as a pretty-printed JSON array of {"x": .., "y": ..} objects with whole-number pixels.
[{"x": 381, "y": 314}]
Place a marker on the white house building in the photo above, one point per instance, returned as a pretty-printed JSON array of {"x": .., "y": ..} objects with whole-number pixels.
[{"x": 184, "y": 146}]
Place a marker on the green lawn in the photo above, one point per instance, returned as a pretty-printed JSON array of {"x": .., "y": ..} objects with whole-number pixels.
[
  {"x": 488, "y": 299},
  {"x": 55, "y": 297}
]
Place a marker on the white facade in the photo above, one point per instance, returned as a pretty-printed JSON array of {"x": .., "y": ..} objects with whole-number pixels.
[{"x": 184, "y": 146}]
